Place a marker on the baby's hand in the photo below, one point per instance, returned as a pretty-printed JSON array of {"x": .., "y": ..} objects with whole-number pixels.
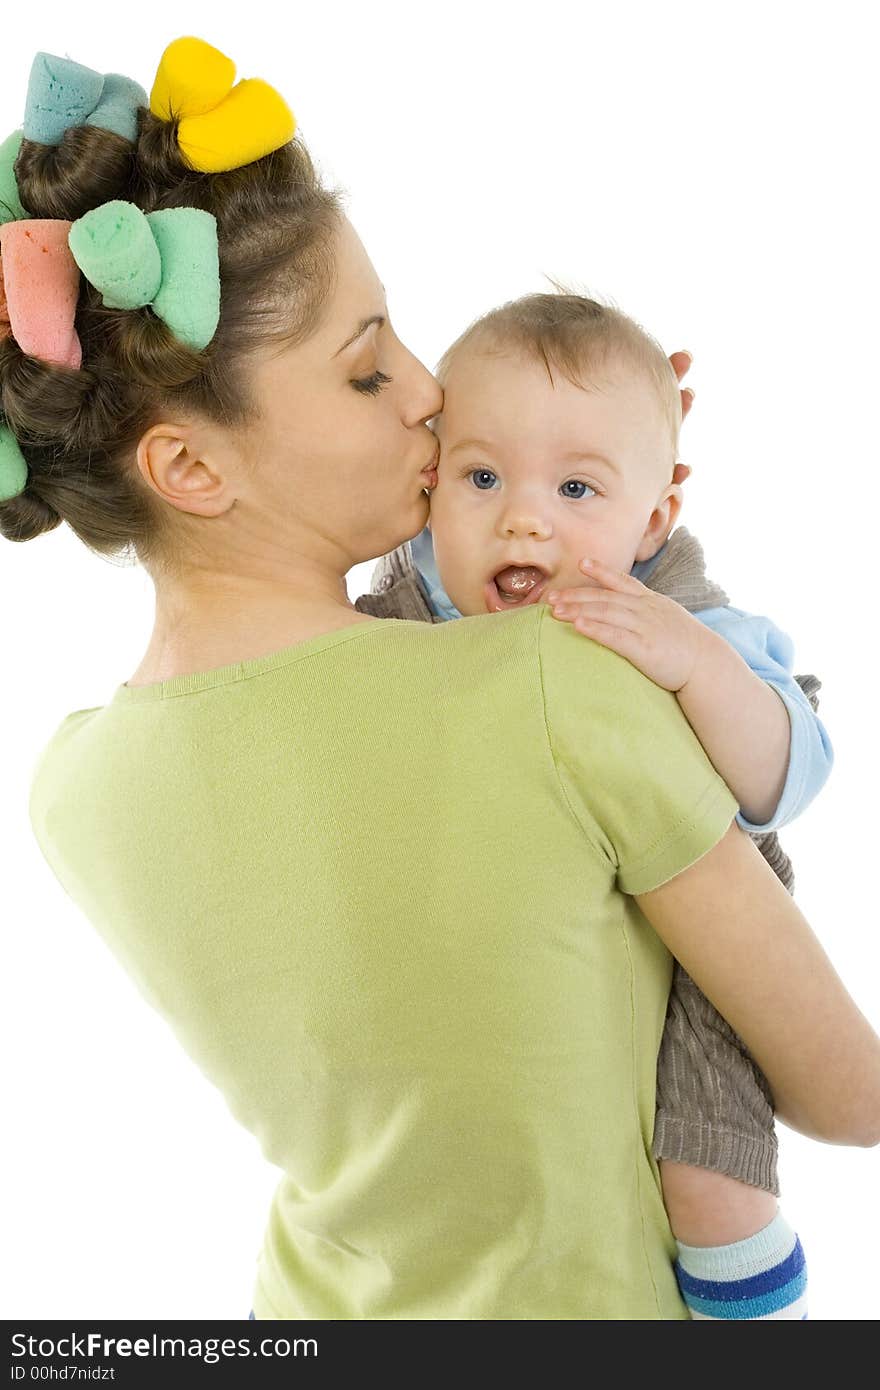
[{"x": 652, "y": 631}]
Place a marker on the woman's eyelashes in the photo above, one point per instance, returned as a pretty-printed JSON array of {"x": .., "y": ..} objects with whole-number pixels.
[
  {"x": 372, "y": 385},
  {"x": 572, "y": 482}
]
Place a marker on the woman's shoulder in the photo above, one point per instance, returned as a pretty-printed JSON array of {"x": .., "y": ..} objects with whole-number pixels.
[{"x": 584, "y": 667}]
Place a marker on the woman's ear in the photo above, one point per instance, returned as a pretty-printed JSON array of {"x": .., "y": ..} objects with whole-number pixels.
[{"x": 176, "y": 462}]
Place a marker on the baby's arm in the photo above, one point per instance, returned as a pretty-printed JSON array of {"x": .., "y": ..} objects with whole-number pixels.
[
  {"x": 754, "y": 720},
  {"x": 731, "y": 674}
]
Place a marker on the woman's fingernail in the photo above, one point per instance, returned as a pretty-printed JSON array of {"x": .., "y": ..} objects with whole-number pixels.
[
  {"x": 586, "y": 564},
  {"x": 553, "y": 594}
]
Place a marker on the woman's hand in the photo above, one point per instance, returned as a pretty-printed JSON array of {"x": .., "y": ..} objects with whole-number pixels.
[
  {"x": 742, "y": 938},
  {"x": 681, "y": 363},
  {"x": 653, "y": 632}
]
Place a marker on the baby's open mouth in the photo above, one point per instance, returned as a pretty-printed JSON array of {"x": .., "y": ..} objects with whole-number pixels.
[{"x": 516, "y": 586}]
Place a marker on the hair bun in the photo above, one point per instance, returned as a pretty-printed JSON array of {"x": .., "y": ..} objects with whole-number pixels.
[{"x": 27, "y": 517}]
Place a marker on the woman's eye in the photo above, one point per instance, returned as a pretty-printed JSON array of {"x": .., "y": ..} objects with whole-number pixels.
[
  {"x": 575, "y": 482},
  {"x": 372, "y": 385}
]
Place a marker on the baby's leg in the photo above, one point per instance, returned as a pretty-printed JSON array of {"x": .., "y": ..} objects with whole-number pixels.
[
  {"x": 716, "y": 1147},
  {"x": 706, "y": 1207}
]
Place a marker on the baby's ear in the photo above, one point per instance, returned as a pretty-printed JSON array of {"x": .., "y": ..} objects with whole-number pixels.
[{"x": 674, "y": 499}]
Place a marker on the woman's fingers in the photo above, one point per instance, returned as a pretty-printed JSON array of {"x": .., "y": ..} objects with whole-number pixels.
[{"x": 681, "y": 362}]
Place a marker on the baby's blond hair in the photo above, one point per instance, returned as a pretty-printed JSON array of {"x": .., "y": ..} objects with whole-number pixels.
[{"x": 579, "y": 337}]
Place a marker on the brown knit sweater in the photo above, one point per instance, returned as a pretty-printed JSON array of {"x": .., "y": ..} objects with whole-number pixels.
[{"x": 680, "y": 573}]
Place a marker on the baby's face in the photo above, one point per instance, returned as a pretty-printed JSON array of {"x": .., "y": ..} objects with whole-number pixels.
[{"x": 512, "y": 491}]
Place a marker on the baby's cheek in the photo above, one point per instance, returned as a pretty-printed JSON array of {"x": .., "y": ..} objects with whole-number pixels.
[{"x": 576, "y": 578}]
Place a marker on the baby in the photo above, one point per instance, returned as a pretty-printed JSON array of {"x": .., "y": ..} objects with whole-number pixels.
[{"x": 558, "y": 449}]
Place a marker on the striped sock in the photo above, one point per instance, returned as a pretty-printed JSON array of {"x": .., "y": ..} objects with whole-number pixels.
[{"x": 759, "y": 1278}]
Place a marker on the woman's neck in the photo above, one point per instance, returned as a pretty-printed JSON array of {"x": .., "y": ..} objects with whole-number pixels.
[{"x": 199, "y": 629}]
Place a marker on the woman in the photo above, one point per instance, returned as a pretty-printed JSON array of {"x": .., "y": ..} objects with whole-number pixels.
[{"x": 441, "y": 1025}]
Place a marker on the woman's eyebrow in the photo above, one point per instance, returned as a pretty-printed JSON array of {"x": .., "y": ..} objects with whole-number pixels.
[{"x": 360, "y": 330}]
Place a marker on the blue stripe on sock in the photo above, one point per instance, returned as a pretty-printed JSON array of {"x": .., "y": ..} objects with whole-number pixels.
[
  {"x": 736, "y": 1289},
  {"x": 758, "y": 1307}
]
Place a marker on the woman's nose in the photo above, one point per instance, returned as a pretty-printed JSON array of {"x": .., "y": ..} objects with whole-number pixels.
[
  {"x": 426, "y": 397},
  {"x": 435, "y": 398}
]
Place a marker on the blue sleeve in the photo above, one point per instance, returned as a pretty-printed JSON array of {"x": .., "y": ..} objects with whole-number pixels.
[{"x": 769, "y": 652}]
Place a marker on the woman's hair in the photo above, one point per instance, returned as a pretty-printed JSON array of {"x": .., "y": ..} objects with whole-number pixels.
[
  {"x": 79, "y": 430},
  {"x": 579, "y": 337}
]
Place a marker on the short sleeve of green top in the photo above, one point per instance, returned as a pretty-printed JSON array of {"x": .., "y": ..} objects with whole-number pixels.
[{"x": 377, "y": 884}]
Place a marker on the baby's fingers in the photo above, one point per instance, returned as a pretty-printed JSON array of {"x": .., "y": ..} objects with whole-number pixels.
[
  {"x": 606, "y": 579},
  {"x": 579, "y": 593},
  {"x": 611, "y": 578},
  {"x": 566, "y": 615},
  {"x": 592, "y": 605},
  {"x": 617, "y": 636},
  {"x": 573, "y": 601}
]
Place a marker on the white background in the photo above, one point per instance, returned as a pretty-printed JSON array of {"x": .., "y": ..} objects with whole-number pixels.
[{"x": 713, "y": 169}]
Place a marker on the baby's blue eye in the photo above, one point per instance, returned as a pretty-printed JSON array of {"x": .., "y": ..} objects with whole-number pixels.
[
  {"x": 481, "y": 472},
  {"x": 572, "y": 482}
]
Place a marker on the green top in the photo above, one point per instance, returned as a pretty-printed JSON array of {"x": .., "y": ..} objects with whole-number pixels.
[{"x": 373, "y": 882}]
